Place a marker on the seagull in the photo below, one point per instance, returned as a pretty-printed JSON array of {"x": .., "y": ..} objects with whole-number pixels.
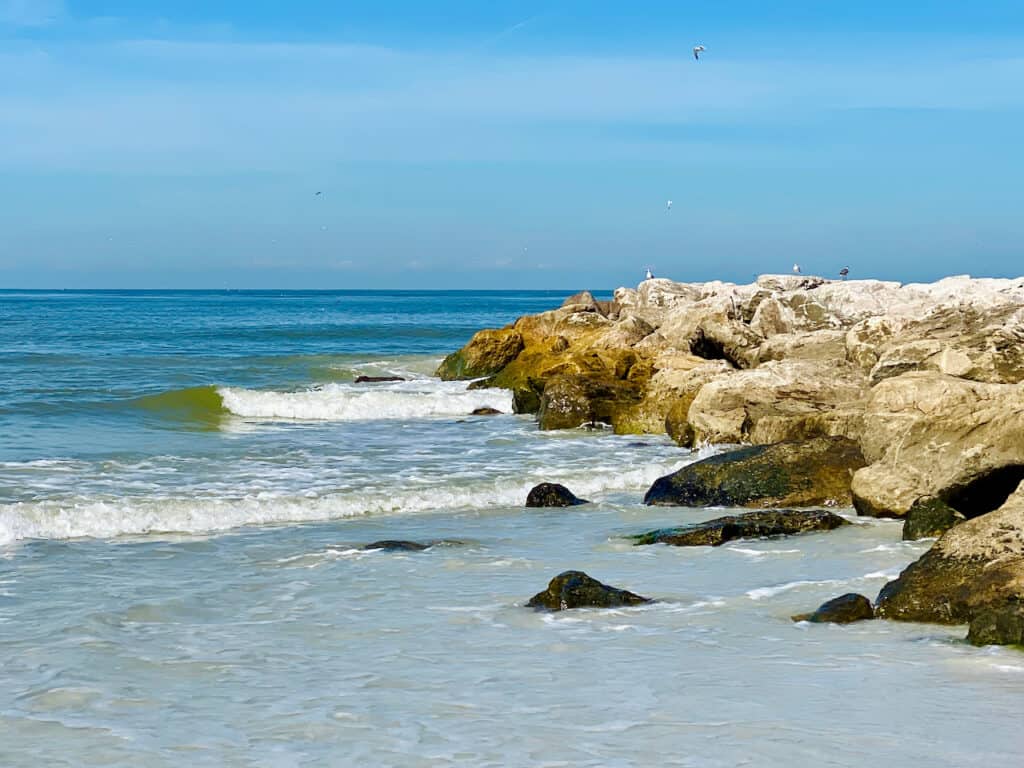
[
  {"x": 649, "y": 275},
  {"x": 668, "y": 206},
  {"x": 844, "y": 272},
  {"x": 318, "y": 194},
  {"x": 697, "y": 51},
  {"x": 796, "y": 269}
]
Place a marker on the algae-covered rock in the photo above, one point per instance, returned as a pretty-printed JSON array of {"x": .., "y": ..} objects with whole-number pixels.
[
  {"x": 571, "y": 401},
  {"x": 485, "y": 411},
  {"x": 552, "y": 495},
  {"x": 929, "y": 517},
  {"x": 975, "y": 565},
  {"x": 998, "y": 625},
  {"x": 486, "y": 353},
  {"x": 840, "y": 610},
  {"x": 804, "y": 474},
  {"x": 751, "y": 525},
  {"x": 575, "y": 589},
  {"x": 401, "y": 545}
]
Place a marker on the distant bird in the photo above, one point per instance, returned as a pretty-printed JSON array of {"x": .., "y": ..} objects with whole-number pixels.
[
  {"x": 697, "y": 51},
  {"x": 649, "y": 275},
  {"x": 796, "y": 269},
  {"x": 318, "y": 194},
  {"x": 844, "y": 272},
  {"x": 668, "y": 206}
]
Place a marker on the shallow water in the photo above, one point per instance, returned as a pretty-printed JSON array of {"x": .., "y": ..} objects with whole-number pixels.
[{"x": 181, "y": 583}]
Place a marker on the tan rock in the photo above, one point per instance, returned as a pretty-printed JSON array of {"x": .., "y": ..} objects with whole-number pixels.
[
  {"x": 779, "y": 401},
  {"x": 929, "y": 434}
]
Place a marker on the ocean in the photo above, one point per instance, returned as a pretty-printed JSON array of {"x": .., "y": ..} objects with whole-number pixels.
[{"x": 186, "y": 482}]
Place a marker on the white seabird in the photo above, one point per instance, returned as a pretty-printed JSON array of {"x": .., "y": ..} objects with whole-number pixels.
[
  {"x": 668, "y": 206},
  {"x": 697, "y": 51},
  {"x": 649, "y": 275},
  {"x": 796, "y": 269}
]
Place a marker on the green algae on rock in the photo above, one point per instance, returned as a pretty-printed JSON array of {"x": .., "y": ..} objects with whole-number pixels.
[
  {"x": 751, "y": 525},
  {"x": 575, "y": 589},
  {"x": 801, "y": 474},
  {"x": 552, "y": 495},
  {"x": 844, "y": 609},
  {"x": 929, "y": 517},
  {"x": 486, "y": 353}
]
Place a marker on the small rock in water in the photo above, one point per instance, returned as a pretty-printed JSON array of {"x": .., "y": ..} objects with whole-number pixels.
[
  {"x": 929, "y": 517},
  {"x": 998, "y": 625},
  {"x": 575, "y": 589},
  {"x": 840, "y": 610},
  {"x": 485, "y": 411},
  {"x": 552, "y": 495},
  {"x": 376, "y": 379},
  {"x": 399, "y": 545},
  {"x": 751, "y": 525}
]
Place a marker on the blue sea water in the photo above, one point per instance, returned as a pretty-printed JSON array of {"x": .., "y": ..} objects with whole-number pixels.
[{"x": 186, "y": 479}]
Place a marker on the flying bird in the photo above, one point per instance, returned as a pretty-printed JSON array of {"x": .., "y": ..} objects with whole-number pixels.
[
  {"x": 796, "y": 269},
  {"x": 668, "y": 206},
  {"x": 697, "y": 51},
  {"x": 844, "y": 272},
  {"x": 318, "y": 194}
]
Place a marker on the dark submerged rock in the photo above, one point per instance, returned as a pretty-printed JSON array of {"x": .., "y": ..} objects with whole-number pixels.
[
  {"x": 929, "y": 517},
  {"x": 552, "y": 495},
  {"x": 804, "y": 474},
  {"x": 840, "y": 610},
  {"x": 998, "y": 625},
  {"x": 575, "y": 589},
  {"x": 400, "y": 545},
  {"x": 485, "y": 412},
  {"x": 376, "y": 379},
  {"x": 714, "y": 533}
]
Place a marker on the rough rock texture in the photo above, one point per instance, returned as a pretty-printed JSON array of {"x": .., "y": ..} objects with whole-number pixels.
[
  {"x": 751, "y": 525},
  {"x": 803, "y": 474},
  {"x": 575, "y": 589},
  {"x": 840, "y": 610},
  {"x": 929, "y": 517},
  {"x": 931, "y": 434},
  {"x": 486, "y": 353},
  {"x": 925, "y": 376},
  {"x": 976, "y": 565},
  {"x": 552, "y": 495},
  {"x": 998, "y": 625},
  {"x": 780, "y": 400}
]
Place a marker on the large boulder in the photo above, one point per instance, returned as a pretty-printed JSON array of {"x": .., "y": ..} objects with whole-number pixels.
[
  {"x": 552, "y": 495},
  {"x": 930, "y": 434},
  {"x": 750, "y": 525},
  {"x": 570, "y": 401},
  {"x": 802, "y": 474},
  {"x": 844, "y": 609},
  {"x": 998, "y": 625},
  {"x": 486, "y": 353},
  {"x": 780, "y": 401},
  {"x": 976, "y": 565},
  {"x": 575, "y": 589}
]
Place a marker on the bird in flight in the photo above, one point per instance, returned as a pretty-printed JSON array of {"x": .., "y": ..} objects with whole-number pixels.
[
  {"x": 796, "y": 269},
  {"x": 318, "y": 194},
  {"x": 668, "y": 206},
  {"x": 844, "y": 272},
  {"x": 697, "y": 51}
]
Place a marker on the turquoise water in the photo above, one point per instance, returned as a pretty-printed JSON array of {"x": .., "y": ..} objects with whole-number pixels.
[{"x": 186, "y": 479}]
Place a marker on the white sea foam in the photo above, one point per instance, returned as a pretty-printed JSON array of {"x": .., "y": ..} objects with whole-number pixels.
[
  {"x": 135, "y": 516},
  {"x": 763, "y": 592},
  {"x": 417, "y": 399}
]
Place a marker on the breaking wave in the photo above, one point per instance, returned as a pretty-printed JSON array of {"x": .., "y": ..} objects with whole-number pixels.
[{"x": 86, "y": 517}]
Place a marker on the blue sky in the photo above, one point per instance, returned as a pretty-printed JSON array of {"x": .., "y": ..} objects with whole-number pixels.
[{"x": 521, "y": 144}]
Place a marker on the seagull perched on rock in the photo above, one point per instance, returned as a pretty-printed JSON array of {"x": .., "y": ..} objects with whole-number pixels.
[
  {"x": 697, "y": 51},
  {"x": 796, "y": 269},
  {"x": 649, "y": 275},
  {"x": 844, "y": 272}
]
